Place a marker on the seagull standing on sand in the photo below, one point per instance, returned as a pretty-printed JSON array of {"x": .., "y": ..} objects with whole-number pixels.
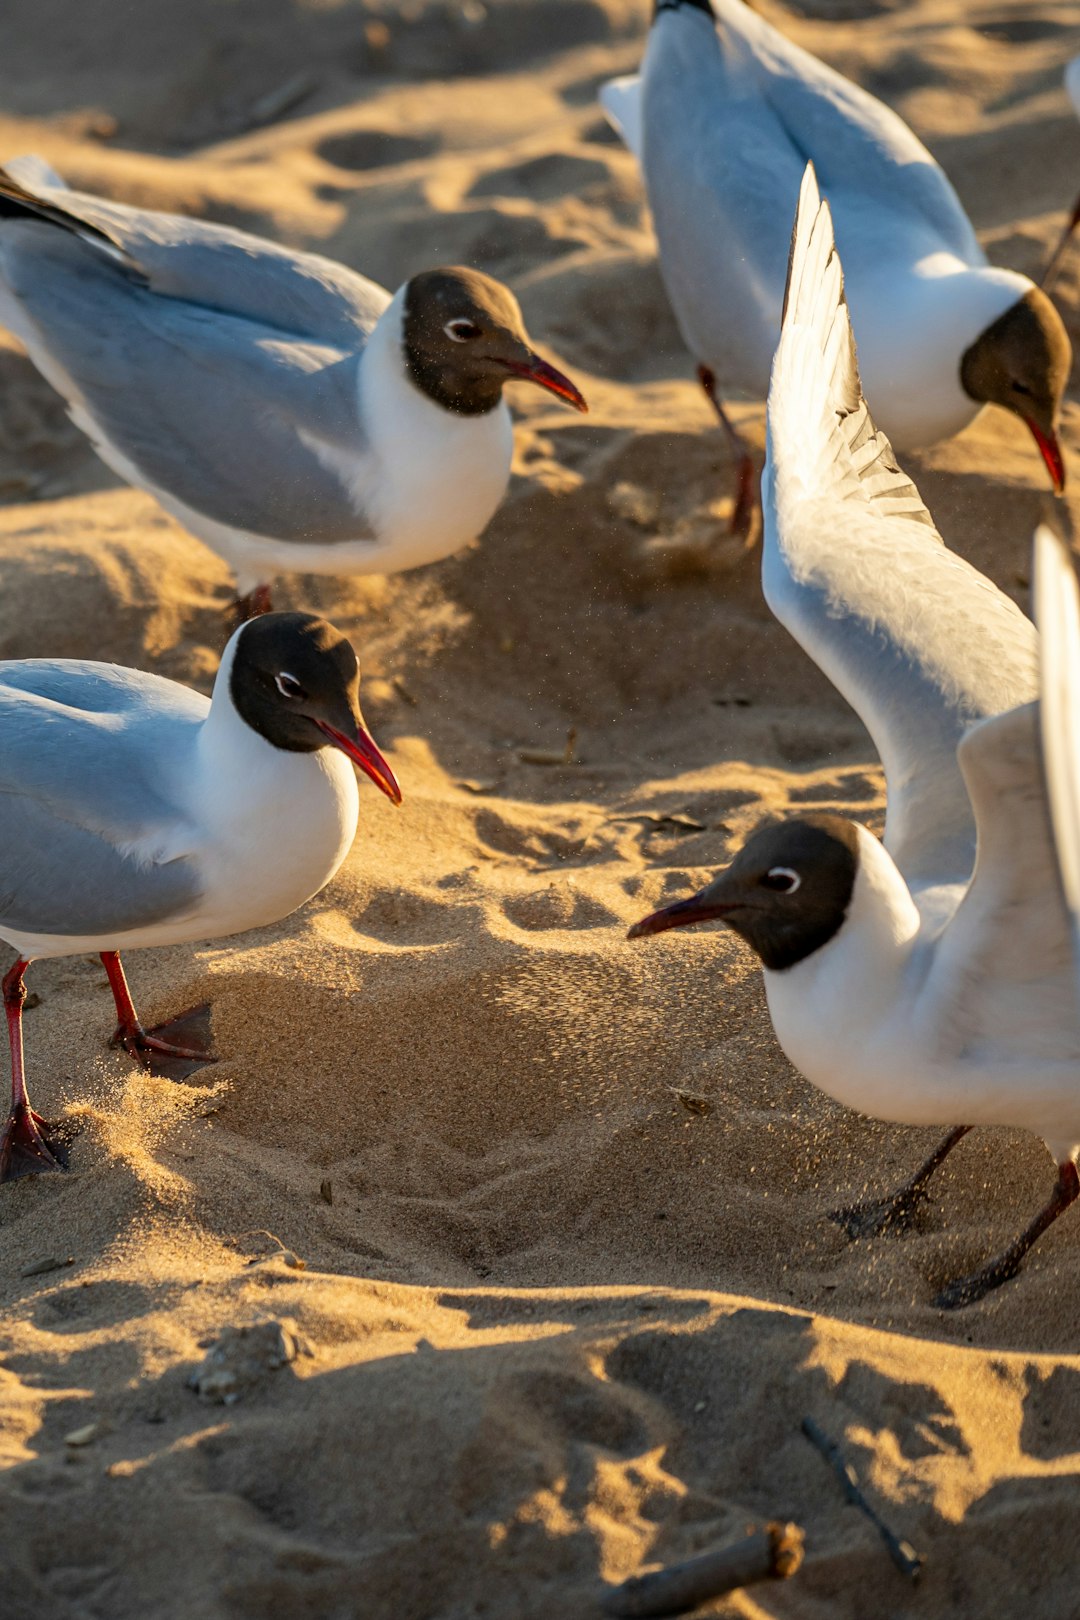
[
  {"x": 135, "y": 812},
  {"x": 724, "y": 118},
  {"x": 286, "y": 410},
  {"x": 933, "y": 979}
]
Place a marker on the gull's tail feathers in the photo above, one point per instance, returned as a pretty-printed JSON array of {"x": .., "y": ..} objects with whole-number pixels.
[
  {"x": 819, "y": 422},
  {"x": 1057, "y": 615},
  {"x": 20, "y": 200}
]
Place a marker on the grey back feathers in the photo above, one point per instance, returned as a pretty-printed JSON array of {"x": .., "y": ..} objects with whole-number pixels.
[
  {"x": 207, "y": 404},
  {"x": 299, "y": 295},
  {"x": 69, "y": 828}
]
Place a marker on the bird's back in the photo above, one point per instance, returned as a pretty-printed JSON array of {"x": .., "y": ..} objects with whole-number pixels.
[{"x": 731, "y": 116}]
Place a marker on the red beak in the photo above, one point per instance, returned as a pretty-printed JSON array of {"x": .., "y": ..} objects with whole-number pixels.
[
  {"x": 680, "y": 915},
  {"x": 1050, "y": 450},
  {"x": 538, "y": 371},
  {"x": 363, "y": 752}
]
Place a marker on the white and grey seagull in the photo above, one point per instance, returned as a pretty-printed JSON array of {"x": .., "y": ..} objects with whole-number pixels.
[
  {"x": 934, "y": 978},
  {"x": 133, "y": 812},
  {"x": 289, "y": 412},
  {"x": 724, "y": 118}
]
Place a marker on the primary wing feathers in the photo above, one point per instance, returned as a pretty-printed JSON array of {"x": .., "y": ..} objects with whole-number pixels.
[
  {"x": 919, "y": 643},
  {"x": 91, "y": 843}
]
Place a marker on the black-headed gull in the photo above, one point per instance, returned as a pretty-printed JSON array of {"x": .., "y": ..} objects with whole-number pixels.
[
  {"x": 724, "y": 118},
  {"x": 135, "y": 812},
  {"x": 912, "y": 980},
  {"x": 286, "y": 410}
]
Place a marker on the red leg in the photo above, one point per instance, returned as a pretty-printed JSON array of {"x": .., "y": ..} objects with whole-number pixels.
[
  {"x": 746, "y": 496},
  {"x": 1054, "y": 261},
  {"x": 24, "y": 1148},
  {"x": 966, "y": 1290},
  {"x": 151, "y": 1048},
  {"x": 248, "y": 607},
  {"x": 895, "y": 1213}
]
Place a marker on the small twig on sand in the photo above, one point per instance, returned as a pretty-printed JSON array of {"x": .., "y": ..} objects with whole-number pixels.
[
  {"x": 902, "y": 1553},
  {"x": 772, "y": 1553}
]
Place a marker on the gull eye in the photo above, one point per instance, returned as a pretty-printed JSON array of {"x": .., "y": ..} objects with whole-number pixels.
[
  {"x": 1021, "y": 388},
  {"x": 461, "y": 330},
  {"x": 781, "y": 879},
  {"x": 289, "y": 686}
]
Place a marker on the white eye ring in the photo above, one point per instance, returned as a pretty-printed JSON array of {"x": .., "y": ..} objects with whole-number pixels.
[
  {"x": 461, "y": 330},
  {"x": 793, "y": 880},
  {"x": 288, "y": 685}
]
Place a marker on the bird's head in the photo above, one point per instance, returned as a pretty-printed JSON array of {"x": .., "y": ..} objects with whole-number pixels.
[
  {"x": 464, "y": 339},
  {"x": 786, "y": 893},
  {"x": 1022, "y": 362},
  {"x": 295, "y": 680}
]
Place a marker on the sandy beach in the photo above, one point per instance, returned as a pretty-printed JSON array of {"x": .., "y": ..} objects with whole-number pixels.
[{"x": 546, "y": 1211}]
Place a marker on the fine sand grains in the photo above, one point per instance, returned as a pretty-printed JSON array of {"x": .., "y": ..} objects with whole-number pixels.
[{"x": 548, "y": 1208}]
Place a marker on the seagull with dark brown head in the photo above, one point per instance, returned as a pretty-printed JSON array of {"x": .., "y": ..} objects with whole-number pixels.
[
  {"x": 935, "y": 977},
  {"x": 135, "y": 812},
  {"x": 285, "y": 409},
  {"x": 724, "y": 118}
]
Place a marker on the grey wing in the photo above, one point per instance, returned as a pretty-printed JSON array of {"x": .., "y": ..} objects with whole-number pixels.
[
  {"x": 300, "y": 294},
  {"x": 857, "y": 145},
  {"x": 722, "y": 176},
  {"x": 220, "y": 413},
  {"x": 919, "y": 642},
  {"x": 90, "y": 844}
]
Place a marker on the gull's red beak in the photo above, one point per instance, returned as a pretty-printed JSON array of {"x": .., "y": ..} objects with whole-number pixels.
[
  {"x": 362, "y": 751},
  {"x": 700, "y": 907},
  {"x": 538, "y": 371},
  {"x": 1050, "y": 450}
]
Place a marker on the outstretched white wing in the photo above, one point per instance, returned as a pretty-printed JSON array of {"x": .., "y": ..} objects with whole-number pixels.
[
  {"x": 919, "y": 642},
  {"x": 1057, "y": 613}
]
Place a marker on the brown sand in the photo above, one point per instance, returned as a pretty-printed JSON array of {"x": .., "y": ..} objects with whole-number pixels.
[{"x": 576, "y": 1288}]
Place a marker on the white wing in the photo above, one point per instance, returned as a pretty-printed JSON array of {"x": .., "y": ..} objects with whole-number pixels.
[
  {"x": 1005, "y": 985},
  {"x": 919, "y": 642},
  {"x": 1057, "y": 613}
]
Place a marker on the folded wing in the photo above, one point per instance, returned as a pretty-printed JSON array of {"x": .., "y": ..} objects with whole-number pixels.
[
  {"x": 91, "y": 841},
  {"x": 215, "y": 369},
  {"x": 301, "y": 295}
]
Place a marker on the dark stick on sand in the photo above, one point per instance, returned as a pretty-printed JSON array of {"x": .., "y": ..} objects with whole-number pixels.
[
  {"x": 902, "y": 1553},
  {"x": 772, "y": 1553}
]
